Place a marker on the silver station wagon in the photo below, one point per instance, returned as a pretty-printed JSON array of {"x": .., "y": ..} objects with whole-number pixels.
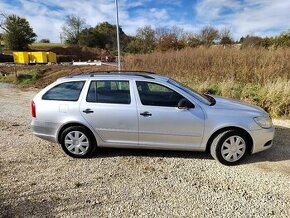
[{"x": 148, "y": 111}]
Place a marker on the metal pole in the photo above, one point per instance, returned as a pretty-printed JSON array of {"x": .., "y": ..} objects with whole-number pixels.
[{"x": 118, "y": 37}]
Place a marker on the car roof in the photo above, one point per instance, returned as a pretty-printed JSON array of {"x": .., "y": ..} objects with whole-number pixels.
[{"x": 116, "y": 74}]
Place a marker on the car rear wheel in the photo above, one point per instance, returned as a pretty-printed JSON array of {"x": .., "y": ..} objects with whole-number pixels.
[
  {"x": 77, "y": 141},
  {"x": 229, "y": 147}
]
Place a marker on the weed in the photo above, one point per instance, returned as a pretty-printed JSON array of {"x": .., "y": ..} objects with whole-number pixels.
[{"x": 78, "y": 184}]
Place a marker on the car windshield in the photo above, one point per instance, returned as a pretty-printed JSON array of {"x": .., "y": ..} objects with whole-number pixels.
[{"x": 203, "y": 98}]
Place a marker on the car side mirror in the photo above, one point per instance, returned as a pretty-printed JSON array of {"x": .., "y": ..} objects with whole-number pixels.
[{"x": 185, "y": 104}]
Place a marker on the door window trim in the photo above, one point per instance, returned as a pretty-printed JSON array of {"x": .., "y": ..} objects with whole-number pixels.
[
  {"x": 161, "y": 84},
  {"x": 110, "y": 80}
]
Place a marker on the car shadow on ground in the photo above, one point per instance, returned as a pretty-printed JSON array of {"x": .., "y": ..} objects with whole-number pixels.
[
  {"x": 280, "y": 151},
  {"x": 113, "y": 152},
  {"x": 26, "y": 208}
]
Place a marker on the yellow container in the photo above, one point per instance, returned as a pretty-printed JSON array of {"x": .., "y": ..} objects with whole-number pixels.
[
  {"x": 51, "y": 57},
  {"x": 21, "y": 57},
  {"x": 38, "y": 57}
]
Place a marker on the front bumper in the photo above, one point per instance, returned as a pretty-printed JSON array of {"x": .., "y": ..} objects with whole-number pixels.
[{"x": 262, "y": 139}]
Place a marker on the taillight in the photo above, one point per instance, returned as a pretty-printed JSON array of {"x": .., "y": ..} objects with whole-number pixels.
[{"x": 33, "y": 109}]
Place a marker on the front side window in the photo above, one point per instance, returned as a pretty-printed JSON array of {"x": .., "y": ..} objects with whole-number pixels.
[
  {"x": 154, "y": 94},
  {"x": 68, "y": 91},
  {"x": 109, "y": 91}
]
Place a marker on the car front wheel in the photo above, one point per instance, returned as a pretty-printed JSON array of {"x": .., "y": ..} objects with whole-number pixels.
[
  {"x": 77, "y": 141},
  {"x": 229, "y": 147}
]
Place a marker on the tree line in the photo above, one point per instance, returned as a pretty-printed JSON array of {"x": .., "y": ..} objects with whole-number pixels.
[{"x": 18, "y": 35}]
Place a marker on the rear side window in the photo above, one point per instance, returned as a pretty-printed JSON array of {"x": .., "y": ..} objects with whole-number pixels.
[
  {"x": 68, "y": 91},
  {"x": 109, "y": 91}
]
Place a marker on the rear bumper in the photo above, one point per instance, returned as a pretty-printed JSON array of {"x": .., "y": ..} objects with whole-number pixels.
[
  {"x": 44, "y": 130},
  {"x": 262, "y": 139}
]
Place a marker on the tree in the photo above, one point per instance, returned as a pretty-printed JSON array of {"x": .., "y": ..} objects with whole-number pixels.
[
  {"x": 135, "y": 46},
  {"x": 17, "y": 32},
  {"x": 44, "y": 41},
  {"x": 252, "y": 41},
  {"x": 72, "y": 28},
  {"x": 242, "y": 40},
  {"x": 170, "y": 38},
  {"x": 147, "y": 35},
  {"x": 283, "y": 40},
  {"x": 107, "y": 35},
  {"x": 193, "y": 41},
  {"x": 102, "y": 36},
  {"x": 91, "y": 38},
  {"x": 226, "y": 37},
  {"x": 208, "y": 35}
]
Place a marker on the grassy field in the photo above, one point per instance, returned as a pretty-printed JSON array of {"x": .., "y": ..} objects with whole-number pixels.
[
  {"x": 257, "y": 76},
  {"x": 47, "y": 45}
]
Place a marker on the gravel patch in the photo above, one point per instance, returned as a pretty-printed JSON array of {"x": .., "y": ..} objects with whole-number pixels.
[
  {"x": 38, "y": 179},
  {"x": 6, "y": 85}
]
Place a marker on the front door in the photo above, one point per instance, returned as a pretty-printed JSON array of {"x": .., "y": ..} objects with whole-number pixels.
[
  {"x": 110, "y": 108},
  {"x": 162, "y": 124}
]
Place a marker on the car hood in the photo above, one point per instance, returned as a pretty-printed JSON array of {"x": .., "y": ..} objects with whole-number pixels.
[{"x": 232, "y": 104}]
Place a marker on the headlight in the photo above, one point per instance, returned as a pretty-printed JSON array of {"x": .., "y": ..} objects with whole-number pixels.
[{"x": 264, "y": 122}]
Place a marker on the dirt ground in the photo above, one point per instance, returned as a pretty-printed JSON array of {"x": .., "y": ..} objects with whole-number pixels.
[{"x": 39, "y": 180}]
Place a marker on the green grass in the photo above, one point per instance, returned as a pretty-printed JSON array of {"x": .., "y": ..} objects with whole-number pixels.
[
  {"x": 22, "y": 78},
  {"x": 39, "y": 45},
  {"x": 28, "y": 77}
]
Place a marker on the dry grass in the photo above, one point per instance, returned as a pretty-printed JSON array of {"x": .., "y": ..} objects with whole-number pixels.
[
  {"x": 246, "y": 65},
  {"x": 258, "y": 76}
]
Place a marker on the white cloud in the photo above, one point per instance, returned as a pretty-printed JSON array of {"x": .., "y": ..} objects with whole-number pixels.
[
  {"x": 211, "y": 9},
  {"x": 47, "y": 18},
  {"x": 242, "y": 17},
  {"x": 261, "y": 17},
  {"x": 159, "y": 13}
]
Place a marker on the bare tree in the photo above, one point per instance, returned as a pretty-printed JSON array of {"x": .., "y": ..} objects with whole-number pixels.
[
  {"x": 226, "y": 37},
  {"x": 72, "y": 28},
  {"x": 208, "y": 35}
]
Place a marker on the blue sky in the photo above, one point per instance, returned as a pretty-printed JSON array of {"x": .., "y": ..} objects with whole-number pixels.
[{"x": 242, "y": 17}]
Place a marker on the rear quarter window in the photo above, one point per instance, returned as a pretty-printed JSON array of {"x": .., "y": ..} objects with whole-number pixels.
[{"x": 68, "y": 91}]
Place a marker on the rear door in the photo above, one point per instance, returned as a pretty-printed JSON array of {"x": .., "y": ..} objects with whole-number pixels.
[
  {"x": 161, "y": 123},
  {"x": 110, "y": 108}
]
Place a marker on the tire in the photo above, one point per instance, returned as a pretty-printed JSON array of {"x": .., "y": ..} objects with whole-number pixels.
[
  {"x": 77, "y": 142},
  {"x": 229, "y": 147}
]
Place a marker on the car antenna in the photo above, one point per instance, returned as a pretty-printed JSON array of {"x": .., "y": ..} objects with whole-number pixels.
[{"x": 82, "y": 72}]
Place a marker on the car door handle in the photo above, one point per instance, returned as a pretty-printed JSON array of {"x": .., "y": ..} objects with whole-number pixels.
[
  {"x": 88, "y": 111},
  {"x": 146, "y": 114}
]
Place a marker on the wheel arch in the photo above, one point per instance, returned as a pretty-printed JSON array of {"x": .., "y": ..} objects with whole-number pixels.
[{"x": 243, "y": 131}]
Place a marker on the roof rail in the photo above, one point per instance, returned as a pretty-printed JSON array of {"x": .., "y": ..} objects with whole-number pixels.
[
  {"x": 113, "y": 72},
  {"x": 128, "y": 71}
]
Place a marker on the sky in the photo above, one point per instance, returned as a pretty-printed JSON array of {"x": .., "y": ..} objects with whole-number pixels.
[{"x": 241, "y": 17}]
